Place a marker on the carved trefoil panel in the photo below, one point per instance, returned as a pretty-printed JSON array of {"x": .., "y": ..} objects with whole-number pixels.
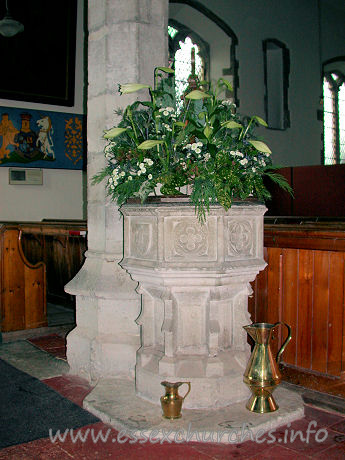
[
  {"x": 143, "y": 238},
  {"x": 186, "y": 240},
  {"x": 240, "y": 238}
]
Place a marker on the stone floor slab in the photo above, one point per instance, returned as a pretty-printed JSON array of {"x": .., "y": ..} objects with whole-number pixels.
[
  {"x": 115, "y": 402},
  {"x": 27, "y": 358}
]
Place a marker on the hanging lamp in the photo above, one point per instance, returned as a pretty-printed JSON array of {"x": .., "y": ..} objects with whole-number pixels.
[{"x": 9, "y": 26}]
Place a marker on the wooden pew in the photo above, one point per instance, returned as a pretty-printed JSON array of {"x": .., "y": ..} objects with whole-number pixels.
[{"x": 23, "y": 285}]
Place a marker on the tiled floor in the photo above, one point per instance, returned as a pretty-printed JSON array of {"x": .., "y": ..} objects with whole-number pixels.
[
  {"x": 288, "y": 442},
  {"x": 53, "y": 344}
]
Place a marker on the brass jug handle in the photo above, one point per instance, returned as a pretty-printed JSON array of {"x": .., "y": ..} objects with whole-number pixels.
[
  {"x": 282, "y": 348},
  {"x": 189, "y": 388}
]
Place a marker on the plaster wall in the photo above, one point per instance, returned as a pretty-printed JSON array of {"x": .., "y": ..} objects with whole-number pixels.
[
  {"x": 332, "y": 29},
  {"x": 62, "y": 195}
]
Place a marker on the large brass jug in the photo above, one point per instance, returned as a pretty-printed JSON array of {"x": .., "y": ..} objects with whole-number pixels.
[
  {"x": 262, "y": 374},
  {"x": 172, "y": 402}
]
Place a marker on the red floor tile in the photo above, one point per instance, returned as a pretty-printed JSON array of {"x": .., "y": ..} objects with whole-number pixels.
[
  {"x": 12, "y": 453},
  {"x": 41, "y": 449},
  {"x": 59, "y": 352},
  {"x": 226, "y": 451},
  {"x": 339, "y": 427},
  {"x": 71, "y": 387},
  {"x": 322, "y": 417},
  {"x": 48, "y": 341},
  {"x": 336, "y": 452},
  {"x": 166, "y": 451},
  {"x": 299, "y": 441},
  {"x": 278, "y": 452},
  {"x": 93, "y": 446}
]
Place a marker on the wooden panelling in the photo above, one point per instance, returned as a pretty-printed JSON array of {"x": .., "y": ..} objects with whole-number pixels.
[
  {"x": 289, "y": 300},
  {"x": 305, "y": 298},
  {"x": 23, "y": 296},
  {"x": 303, "y": 286},
  {"x": 320, "y": 307},
  {"x": 336, "y": 325},
  {"x": 274, "y": 292}
]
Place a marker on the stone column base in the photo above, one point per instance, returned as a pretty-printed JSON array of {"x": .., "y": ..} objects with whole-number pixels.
[{"x": 106, "y": 339}]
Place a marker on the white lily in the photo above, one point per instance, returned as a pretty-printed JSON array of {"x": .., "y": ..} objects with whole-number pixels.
[{"x": 131, "y": 87}]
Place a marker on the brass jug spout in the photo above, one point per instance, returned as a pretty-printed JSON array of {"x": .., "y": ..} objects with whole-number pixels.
[
  {"x": 251, "y": 331},
  {"x": 262, "y": 373}
]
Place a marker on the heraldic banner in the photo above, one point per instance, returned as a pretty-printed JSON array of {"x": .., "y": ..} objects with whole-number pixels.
[{"x": 41, "y": 139}]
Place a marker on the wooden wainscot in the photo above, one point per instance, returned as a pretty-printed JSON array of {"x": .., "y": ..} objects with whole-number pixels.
[
  {"x": 304, "y": 285},
  {"x": 23, "y": 294}
]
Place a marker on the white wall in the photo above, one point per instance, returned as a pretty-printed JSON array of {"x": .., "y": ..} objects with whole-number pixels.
[
  {"x": 62, "y": 194},
  {"x": 296, "y": 24}
]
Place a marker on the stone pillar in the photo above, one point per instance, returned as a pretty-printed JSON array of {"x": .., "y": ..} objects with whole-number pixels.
[
  {"x": 195, "y": 281},
  {"x": 127, "y": 40}
]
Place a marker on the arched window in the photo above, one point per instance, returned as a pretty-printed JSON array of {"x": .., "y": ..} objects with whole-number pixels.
[
  {"x": 189, "y": 55},
  {"x": 216, "y": 35},
  {"x": 333, "y": 117}
]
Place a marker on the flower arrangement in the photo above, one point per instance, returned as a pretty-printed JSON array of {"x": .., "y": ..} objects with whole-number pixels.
[{"x": 202, "y": 143}]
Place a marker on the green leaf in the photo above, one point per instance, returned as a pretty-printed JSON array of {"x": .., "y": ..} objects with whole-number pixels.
[
  {"x": 280, "y": 180},
  {"x": 165, "y": 69},
  {"x": 197, "y": 94},
  {"x": 180, "y": 138},
  {"x": 179, "y": 123},
  {"x": 260, "y": 120},
  {"x": 261, "y": 146},
  {"x": 114, "y": 132},
  {"x": 131, "y": 88},
  {"x": 226, "y": 83},
  {"x": 149, "y": 144},
  {"x": 146, "y": 103},
  {"x": 202, "y": 115},
  {"x": 231, "y": 124},
  {"x": 208, "y": 131}
]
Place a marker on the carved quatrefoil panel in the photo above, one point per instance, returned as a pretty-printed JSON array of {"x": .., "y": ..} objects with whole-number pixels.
[
  {"x": 240, "y": 238},
  {"x": 187, "y": 240}
]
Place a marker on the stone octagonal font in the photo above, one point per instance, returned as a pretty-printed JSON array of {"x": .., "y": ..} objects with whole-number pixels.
[{"x": 194, "y": 280}]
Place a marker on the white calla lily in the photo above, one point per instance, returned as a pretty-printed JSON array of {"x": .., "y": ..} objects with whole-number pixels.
[
  {"x": 131, "y": 87},
  {"x": 114, "y": 132}
]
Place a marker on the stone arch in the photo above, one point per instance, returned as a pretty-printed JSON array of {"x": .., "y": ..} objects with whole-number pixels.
[{"x": 227, "y": 30}]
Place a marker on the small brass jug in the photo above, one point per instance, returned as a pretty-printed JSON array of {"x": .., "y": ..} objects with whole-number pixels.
[
  {"x": 172, "y": 402},
  {"x": 262, "y": 374}
]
